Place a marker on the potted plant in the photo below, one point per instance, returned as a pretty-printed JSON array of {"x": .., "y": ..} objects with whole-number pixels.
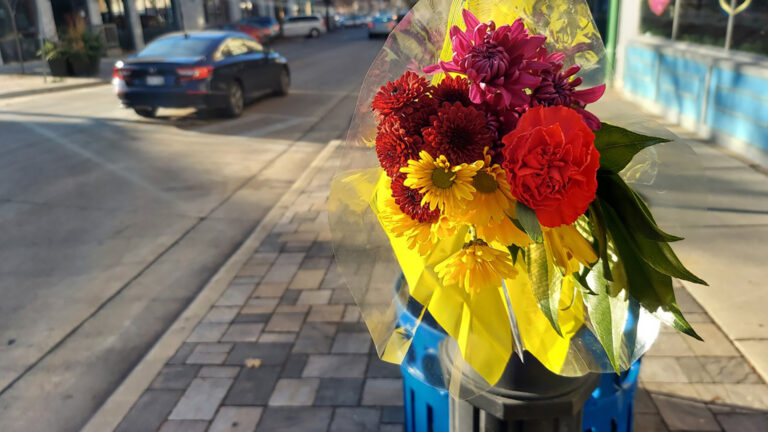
[
  {"x": 56, "y": 54},
  {"x": 93, "y": 47},
  {"x": 85, "y": 50}
]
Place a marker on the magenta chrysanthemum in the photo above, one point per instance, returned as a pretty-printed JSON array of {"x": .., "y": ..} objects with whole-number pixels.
[
  {"x": 499, "y": 62},
  {"x": 559, "y": 88}
]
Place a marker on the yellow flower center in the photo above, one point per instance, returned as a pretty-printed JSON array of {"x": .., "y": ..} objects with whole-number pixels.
[
  {"x": 484, "y": 182},
  {"x": 442, "y": 178}
]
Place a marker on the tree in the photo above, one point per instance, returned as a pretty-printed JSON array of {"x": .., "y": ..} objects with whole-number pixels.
[{"x": 11, "y": 6}]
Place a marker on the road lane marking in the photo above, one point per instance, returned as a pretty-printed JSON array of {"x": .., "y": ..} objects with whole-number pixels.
[
  {"x": 276, "y": 127},
  {"x": 109, "y": 166}
]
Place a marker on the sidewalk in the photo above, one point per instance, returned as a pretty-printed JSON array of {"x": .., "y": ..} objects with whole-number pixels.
[
  {"x": 38, "y": 80},
  {"x": 280, "y": 346}
]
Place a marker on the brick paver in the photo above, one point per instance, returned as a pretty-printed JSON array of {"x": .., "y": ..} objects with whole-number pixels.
[{"x": 284, "y": 349}]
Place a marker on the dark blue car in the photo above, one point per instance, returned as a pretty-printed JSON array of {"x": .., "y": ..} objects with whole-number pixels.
[{"x": 207, "y": 69}]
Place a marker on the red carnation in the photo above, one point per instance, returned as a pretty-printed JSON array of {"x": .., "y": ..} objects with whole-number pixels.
[
  {"x": 452, "y": 90},
  {"x": 400, "y": 96},
  {"x": 409, "y": 201},
  {"x": 395, "y": 145},
  {"x": 551, "y": 164},
  {"x": 458, "y": 132}
]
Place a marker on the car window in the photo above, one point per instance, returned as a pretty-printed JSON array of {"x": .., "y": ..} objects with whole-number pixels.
[
  {"x": 253, "y": 46},
  {"x": 237, "y": 46},
  {"x": 177, "y": 47}
]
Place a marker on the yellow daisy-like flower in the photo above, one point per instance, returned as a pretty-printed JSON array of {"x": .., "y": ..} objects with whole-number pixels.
[
  {"x": 492, "y": 200},
  {"x": 421, "y": 236},
  {"x": 444, "y": 186},
  {"x": 569, "y": 248},
  {"x": 504, "y": 232},
  {"x": 476, "y": 267}
]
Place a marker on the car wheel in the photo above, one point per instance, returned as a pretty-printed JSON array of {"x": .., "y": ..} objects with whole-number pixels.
[
  {"x": 148, "y": 112},
  {"x": 284, "y": 83},
  {"x": 235, "y": 100},
  {"x": 314, "y": 33}
]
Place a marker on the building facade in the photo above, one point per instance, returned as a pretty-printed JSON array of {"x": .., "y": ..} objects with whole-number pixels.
[
  {"x": 130, "y": 23},
  {"x": 701, "y": 63}
]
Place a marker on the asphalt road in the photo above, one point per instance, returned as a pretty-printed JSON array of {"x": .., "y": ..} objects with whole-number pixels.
[{"x": 110, "y": 224}]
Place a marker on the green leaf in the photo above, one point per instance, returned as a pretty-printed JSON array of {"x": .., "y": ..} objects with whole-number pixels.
[
  {"x": 608, "y": 315},
  {"x": 514, "y": 250},
  {"x": 648, "y": 286},
  {"x": 546, "y": 282},
  {"x": 630, "y": 207},
  {"x": 529, "y": 223},
  {"x": 617, "y": 146},
  {"x": 597, "y": 220},
  {"x": 674, "y": 317}
]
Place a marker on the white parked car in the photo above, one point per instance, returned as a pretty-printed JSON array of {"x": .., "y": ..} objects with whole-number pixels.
[{"x": 305, "y": 25}]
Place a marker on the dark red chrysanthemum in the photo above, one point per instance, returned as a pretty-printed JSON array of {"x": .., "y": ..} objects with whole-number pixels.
[
  {"x": 409, "y": 201},
  {"x": 401, "y": 95},
  {"x": 458, "y": 132},
  {"x": 395, "y": 145},
  {"x": 423, "y": 111},
  {"x": 452, "y": 90}
]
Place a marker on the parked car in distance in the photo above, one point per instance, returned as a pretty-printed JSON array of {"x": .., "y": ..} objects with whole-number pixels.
[
  {"x": 206, "y": 69},
  {"x": 354, "y": 21},
  {"x": 381, "y": 25},
  {"x": 304, "y": 25},
  {"x": 263, "y": 29}
]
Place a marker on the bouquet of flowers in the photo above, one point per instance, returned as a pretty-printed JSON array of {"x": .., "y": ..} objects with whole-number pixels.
[{"x": 501, "y": 196}]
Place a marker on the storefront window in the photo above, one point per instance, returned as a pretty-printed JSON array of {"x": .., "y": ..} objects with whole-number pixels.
[
  {"x": 26, "y": 24},
  {"x": 750, "y": 28},
  {"x": 157, "y": 17},
  {"x": 113, "y": 12},
  {"x": 656, "y": 17},
  {"x": 215, "y": 12},
  {"x": 703, "y": 22}
]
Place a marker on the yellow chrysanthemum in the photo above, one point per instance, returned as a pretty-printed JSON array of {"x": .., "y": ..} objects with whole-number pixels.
[
  {"x": 492, "y": 200},
  {"x": 421, "y": 236},
  {"x": 569, "y": 248},
  {"x": 476, "y": 267},
  {"x": 504, "y": 232},
  {"x": 444, "y": 186}
]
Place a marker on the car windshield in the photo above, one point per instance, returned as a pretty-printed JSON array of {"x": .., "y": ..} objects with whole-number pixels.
[
  {"x": 177, "y": 47},
  {"x": 383, "y": 18}
]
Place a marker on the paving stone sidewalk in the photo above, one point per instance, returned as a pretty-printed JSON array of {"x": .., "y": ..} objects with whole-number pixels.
[{"x": 284, "y": 349}]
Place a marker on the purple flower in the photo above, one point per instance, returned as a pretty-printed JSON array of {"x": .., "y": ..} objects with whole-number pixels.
[
  {"x": 499, "y": 62},
  {"x": 559, "y": 88}
]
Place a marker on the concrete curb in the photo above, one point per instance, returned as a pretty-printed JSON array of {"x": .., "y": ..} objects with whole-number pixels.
[
  {"x": 44, "y": 90},
  {"x": 115, "y": 408}
]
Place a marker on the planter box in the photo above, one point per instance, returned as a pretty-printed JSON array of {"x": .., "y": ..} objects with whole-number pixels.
[{"x": 58, "y": 66}]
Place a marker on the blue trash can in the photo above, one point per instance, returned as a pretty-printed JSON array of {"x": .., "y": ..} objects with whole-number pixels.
[{"x": 426, "y": 402}]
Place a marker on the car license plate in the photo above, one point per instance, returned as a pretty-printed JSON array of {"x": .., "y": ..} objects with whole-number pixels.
[{"x": 155, "y": 80}]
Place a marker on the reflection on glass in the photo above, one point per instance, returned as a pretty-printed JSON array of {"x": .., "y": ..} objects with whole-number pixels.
[
  {"x": 749, "y": 29},
  {"x": 702, "y": 21},
  {"x": 26, "y": 24},
  {"x": 157, "y": 17},
  {"x": 656, "y": 17}
]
